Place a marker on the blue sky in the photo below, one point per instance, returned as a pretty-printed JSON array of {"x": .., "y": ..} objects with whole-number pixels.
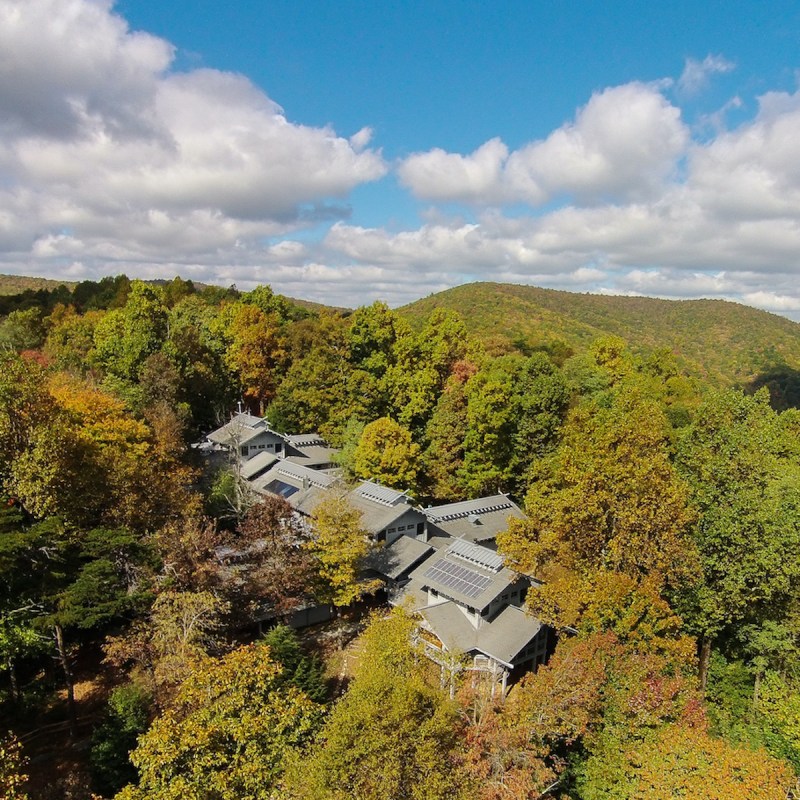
[{"x": 348, "y": 151}]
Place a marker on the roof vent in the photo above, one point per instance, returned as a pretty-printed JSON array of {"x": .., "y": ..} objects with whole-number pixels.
[{"x": 474, "y": 519}]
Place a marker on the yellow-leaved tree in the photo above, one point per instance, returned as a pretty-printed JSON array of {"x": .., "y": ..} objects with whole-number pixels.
[
  {"x": 227, "y": 734},
  {"x": 339, "y": 545},
  {"x": 393, "y": 735},
  {"x": 385, "y": 454}
]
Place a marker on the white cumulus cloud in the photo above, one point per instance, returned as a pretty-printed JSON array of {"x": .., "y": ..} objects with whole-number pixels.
[
  {"x": 697, "y": 74},
  {"x": 107, "y": 154},
  {"x": 623, "y": 143}
]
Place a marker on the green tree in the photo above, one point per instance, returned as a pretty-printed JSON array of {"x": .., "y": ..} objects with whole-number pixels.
[
  {"x": 543, "y": 396},
  {"x": 445, "y": 433},
  {"x": 319, "y": 391},
  {"x": 421, "y": 365},
  {"x": 392, "y": 736},
  {"x": 264, "y": 298},
  {"x": 611, "y": 501},
  {"x": 127, "y": 716},
  {"x": 70, "y": 338},
  {"x": 372, "y": 336},
  {"x": 18, "y": 639},
  {"x": 741, "y": 460},
  {"x": 125, "y": 337},
  {"x": 197, "y": 349},
  {"x": 23, "y": 330},
  {"x": 299, "y": 669},
  {"x": 491, "y": 425},
  {"x": 23, "y": 407}
]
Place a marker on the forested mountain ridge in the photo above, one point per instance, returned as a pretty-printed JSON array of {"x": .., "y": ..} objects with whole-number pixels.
[
  {"x": 726, "y": 343},
  {"x": 24, "y": 291}
]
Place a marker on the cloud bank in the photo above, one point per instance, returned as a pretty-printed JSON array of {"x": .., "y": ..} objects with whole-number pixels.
[
  {"x": 108, "y": 157},
  {"x": 110, "y": 161}
]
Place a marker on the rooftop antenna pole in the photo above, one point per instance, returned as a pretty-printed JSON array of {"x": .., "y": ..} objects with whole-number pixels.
[{"x": 239, "y": 406}]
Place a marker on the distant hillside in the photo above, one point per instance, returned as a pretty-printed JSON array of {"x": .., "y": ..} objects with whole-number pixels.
[
  {"x": 11, "y": 285},
  {"x": 724, "y": 342},
  {"x": 15, "y": 284}
]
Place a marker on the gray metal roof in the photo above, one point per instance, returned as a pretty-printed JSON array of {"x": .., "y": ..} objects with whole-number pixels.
[
  {"x": 376, "y": 517},
  {"x": 250, "y": 420},
  {"x": 478, "y": 520},
  {"x": 303, "y": 488},
  {"x": 470, "y": 585},
  {"x": 313, "y": 455},
  {"x": 261, "y": 461},
  {"x": 303, "y": 500},
  {"x": 305, "y": 440},
  {"x": 508, "y": 633},
  {"x": 297, "y": 472},
  {"x": 465, "y": 508},
  {"x": 376, "y": 493},
  {"x": 503, "y": 638},
  {"x": 451, "y": 627},
  {"x": 240, "y": 430},
  {"x": 400, "y": 556},
  {"x": 381, "y": 507},
  {"x": 475, "y": 554}
]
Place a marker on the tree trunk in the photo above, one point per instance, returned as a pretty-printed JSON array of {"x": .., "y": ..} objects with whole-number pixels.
[
  {"x": 705, "y": 657},
  {"x": 756, "y": 693},
  {"x": 12, "y": 676},
  {"x": 62, "y": 656}
]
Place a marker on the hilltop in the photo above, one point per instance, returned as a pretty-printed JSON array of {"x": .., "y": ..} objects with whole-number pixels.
[
  {"x": 724, "y": 342},
  {"x": 16, "y": 284}
]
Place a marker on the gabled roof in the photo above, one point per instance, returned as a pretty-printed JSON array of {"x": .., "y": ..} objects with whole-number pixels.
[
  {"x": 473, "y": 580},
  {"x": 258, "y": 465},
  {"x": 502, "y": 639},
  {"x": 399, "y": 557},
  {"x": 375, "y": 493},
  {"x": 313, "y": 456},
  {"x": 250, "y": 420},
  {"x": 508, "y": 633},
  {"x": 305, "y": 440},
  {"x": 301, "y": 487},
  {"x": 241, "y": 429},
  {"x": 379, "y": 505},
  {"x": 474, "y": 520}
]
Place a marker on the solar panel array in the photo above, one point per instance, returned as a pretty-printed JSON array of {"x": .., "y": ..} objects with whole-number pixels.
[
  {"x": 482, "y": 556},
  {"x": 464, "y": 511},
  {"x": 463, "y": 580},
  {"x": 379, "y": 494},
  {"x": 281, "y": 488}
]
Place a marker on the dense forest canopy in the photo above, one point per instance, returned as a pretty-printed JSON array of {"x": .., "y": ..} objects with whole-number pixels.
[{"x": 654, "y": 447}]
